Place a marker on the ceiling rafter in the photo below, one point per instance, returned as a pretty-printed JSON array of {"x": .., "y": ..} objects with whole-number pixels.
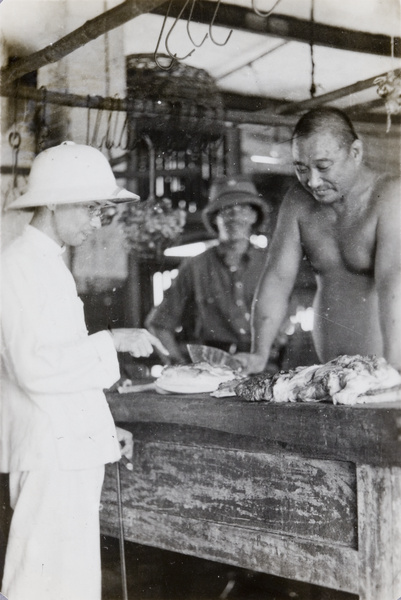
[
  {"x": 289, "y": 28},
  {"x": 359, "y": 86},
  {"x": 91, "y": 30}
]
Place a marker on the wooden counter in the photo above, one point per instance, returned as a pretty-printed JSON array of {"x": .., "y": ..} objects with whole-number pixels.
[{"x": 310, "y": 492}]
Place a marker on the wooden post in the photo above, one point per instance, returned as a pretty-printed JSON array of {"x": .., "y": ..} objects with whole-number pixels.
[
  {"x": 232, "y": 153},
  {"x": 379, "y": 528}
]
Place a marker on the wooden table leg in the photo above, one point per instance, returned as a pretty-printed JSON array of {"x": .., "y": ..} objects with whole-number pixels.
[{"x": 379, "y": 532}]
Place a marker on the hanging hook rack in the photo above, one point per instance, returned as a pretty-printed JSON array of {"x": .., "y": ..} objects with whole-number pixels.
[
  {"x": 189, "y": 33},
  {"x": 211, "y": 27}
]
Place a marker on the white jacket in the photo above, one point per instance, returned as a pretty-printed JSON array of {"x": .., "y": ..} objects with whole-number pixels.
[{"x": 53, "y": 410}]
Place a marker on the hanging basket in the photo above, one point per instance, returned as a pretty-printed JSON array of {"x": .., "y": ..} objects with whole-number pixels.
[
  {"x": 178, "y": 109},
  {"x": 152, "y": 226}
]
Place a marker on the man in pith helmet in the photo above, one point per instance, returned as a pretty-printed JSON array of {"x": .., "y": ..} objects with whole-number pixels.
[
  {"x": 57, "y": 432},
  {"x": 217, "y": 286}
]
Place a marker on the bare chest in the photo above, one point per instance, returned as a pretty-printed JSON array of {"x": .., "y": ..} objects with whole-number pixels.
[{"x": 336, "y": 243}]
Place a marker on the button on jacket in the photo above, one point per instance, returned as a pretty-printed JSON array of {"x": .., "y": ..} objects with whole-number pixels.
[{"x": 53, "y": 410}]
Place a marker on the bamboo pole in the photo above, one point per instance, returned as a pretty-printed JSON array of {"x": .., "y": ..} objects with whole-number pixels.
[
  {"x": 268, "y": 117},
  {"x": 91, "y": 30},
  {"x": 359, "y": 86}
]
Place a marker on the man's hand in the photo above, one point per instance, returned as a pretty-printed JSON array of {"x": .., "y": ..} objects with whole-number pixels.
[
  {"x": 126, "y": 442},
  {"x": 251, "y": 363},
  {"x": 138, "y": 342}
]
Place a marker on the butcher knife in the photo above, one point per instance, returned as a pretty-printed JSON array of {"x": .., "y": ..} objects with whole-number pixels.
[{"x": 212, "y": 356}]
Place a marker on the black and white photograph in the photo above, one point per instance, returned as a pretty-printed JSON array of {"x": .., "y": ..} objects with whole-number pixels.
[{"x": 200, "y": 380}]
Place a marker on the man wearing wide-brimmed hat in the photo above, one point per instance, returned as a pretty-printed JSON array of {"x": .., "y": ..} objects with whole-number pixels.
[
  {"x": 57, "y": 432},
  {"x": 217, "y": 286}
]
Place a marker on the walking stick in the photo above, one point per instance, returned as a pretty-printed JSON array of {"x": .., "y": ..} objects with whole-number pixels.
[{"x": 121, "y": 530}]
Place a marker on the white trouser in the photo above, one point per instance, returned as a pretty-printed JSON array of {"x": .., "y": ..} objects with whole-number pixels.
[{"x": 53, "y": 551}]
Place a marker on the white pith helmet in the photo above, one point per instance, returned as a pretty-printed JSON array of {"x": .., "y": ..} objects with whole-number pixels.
[{"x": 70, "y": 174}]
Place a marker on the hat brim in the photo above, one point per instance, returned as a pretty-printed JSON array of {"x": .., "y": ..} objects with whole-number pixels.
[
  {"x": 33, "y": 199},
  {"x": 233, "y": 199}
]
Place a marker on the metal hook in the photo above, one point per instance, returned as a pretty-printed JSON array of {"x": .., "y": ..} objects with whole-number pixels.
[
  {"x": 174, "y": 56},
  {"x": 158, "y": 43},
  {"x": 124, "y": 127},
  {"x": 117, "y": 99},
  {"x": 88, "y": 119},
  {"x": 211, "y": 25},
  {"x": 14, "y": 139},
  {"x": 96, "y": 127},
  {"x": 260, "y": 13},
  {"x": 189, "y": 34},
  {"x": 109, "y": 143}
]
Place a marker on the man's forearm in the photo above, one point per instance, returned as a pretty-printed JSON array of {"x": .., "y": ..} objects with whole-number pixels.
[
  {"x": 266, "y": 323},
  {"x": 269, "y": 311},
  {"x": 390, "y": 320}
]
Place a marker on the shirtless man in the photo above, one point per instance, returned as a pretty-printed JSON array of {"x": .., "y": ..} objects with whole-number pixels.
[{"x": 345, "y": 219}]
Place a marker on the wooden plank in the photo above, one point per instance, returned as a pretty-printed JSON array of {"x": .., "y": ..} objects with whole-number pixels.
[
  {"x": 288, "y": 28},
  {"x": 281, "y": 494},
  {"x": 360, "y": 434},
  {"x": 379, "y": 523},
  {"x": 296, "y": 107},
  {"x": 91, "y": 30},
  {"x": 326, "y": 565}
]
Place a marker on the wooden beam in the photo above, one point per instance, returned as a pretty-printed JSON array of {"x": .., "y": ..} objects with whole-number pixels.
[
  {"x": 91, "y": 30},
  {"x": 359, "y": 86},
  {"x": 235, "y": 106},
  {"x": 288, "y": 28}
]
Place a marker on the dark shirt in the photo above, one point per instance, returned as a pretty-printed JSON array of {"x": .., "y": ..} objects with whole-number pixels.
[{"x": 219, "y": 296}]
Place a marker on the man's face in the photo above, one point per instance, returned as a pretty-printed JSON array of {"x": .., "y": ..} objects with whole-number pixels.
[
  {"x": 324, "y": 167},
  {"x": 235, "y": 222},
  {"x": 74, "y": 223}
]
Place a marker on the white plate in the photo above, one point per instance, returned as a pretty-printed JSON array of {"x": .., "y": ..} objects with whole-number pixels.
[{"x": 190, "y": 388}]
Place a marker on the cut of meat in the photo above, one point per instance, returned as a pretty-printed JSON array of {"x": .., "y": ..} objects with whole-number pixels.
[
  {"x": 342, "y": 381},
  {"x": 193, "y": 379}
]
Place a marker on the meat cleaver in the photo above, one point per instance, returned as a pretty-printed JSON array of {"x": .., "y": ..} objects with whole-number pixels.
[{"x": 213, "y": 356}]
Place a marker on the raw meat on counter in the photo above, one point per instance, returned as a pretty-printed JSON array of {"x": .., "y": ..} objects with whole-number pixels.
[
  {"x": 343, "y": 380},
  {"x": 193, "y": 379}
]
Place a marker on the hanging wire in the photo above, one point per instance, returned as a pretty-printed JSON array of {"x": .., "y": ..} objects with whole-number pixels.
[
  {"x": 312, "y": 50},
  {"x": 266, "y": 14},
  {"x": 211, "y": 27},
  {"x": 189, "y": 33}
]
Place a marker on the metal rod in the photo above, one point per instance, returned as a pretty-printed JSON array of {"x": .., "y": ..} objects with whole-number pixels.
[{"x": 121, "y": 534}]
